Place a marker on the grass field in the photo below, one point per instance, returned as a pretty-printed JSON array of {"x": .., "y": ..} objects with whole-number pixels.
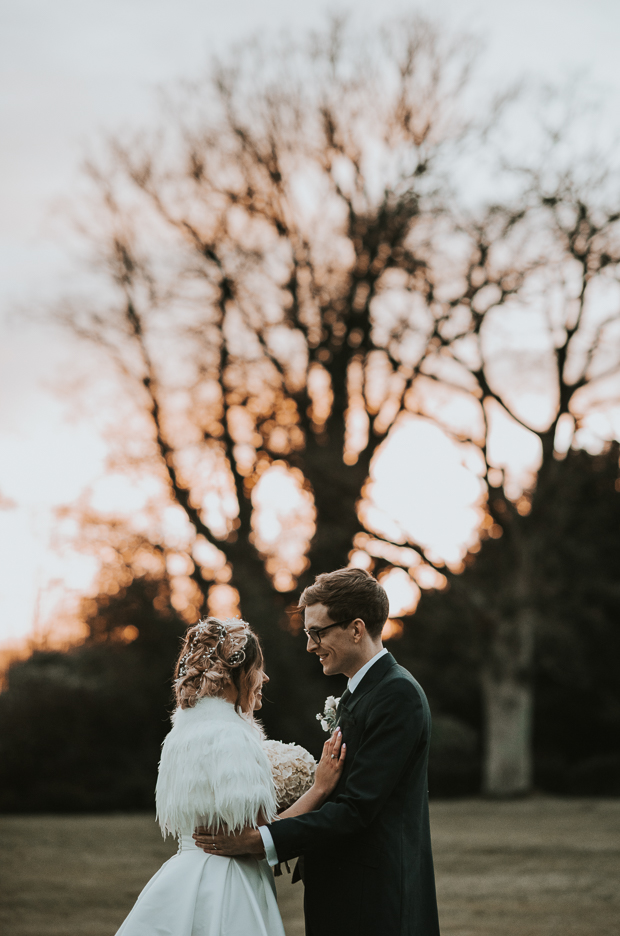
[{"x": 538, "y": 867}]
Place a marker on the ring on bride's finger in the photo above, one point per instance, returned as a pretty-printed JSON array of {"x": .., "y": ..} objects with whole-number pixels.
[{"x": 333, "y": 755}]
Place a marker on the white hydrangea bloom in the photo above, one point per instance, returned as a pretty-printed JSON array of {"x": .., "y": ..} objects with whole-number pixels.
[{"x": 292, "y": 768}]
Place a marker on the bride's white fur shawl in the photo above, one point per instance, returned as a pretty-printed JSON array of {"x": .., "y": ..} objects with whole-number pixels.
[{"x": 213, "y": 771}]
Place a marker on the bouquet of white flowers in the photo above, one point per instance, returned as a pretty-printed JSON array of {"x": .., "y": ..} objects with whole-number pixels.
[{"x": 292, "y": 768}]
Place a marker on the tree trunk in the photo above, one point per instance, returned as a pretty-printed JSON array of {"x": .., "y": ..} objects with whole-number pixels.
[
  {"x": 337, "y": 489},
  {"x": 508, "y": 705},
  {"x": 508, "y": 715}
]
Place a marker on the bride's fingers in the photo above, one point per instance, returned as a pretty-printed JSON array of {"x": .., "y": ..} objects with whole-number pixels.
[
  {"x": 332, "y": 749},
  {"x": 336, "y": 743},
  {"x": 330, "y": 743}
]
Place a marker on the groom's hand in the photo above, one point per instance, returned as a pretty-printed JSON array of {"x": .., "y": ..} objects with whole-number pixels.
[{"x": 246, "y": 842}]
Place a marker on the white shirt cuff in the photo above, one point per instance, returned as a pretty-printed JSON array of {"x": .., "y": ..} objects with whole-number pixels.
[{"x": 270, "y": 849}]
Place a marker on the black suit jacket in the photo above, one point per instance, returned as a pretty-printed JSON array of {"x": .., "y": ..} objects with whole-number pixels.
[{"x": 368, "y": 865}]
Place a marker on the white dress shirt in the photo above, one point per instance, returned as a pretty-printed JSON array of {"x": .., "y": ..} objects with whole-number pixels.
[{"x": 353, "y": 683}]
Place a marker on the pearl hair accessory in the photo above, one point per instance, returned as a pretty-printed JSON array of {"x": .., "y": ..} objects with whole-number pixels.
[{"x": 236, "y": 658}]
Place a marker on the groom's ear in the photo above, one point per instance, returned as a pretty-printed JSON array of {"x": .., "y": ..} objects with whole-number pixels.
[{"x": 358, "y": 629}]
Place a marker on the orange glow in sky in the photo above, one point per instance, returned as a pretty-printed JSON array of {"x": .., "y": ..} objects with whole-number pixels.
[
  {"x": 70, "y": 71},
  {"x": 422, "y": 486}
]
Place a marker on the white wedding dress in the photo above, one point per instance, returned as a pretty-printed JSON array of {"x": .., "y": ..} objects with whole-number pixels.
[{"x": 214, "y": 771}]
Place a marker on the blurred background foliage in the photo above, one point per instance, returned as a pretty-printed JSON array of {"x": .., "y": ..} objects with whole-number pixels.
[
  {"x": 320, "y": 244},
  {"x": 81, "y": 730}
]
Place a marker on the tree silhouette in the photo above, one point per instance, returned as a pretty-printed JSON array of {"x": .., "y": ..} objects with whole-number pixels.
[
  {"x": 567, "y": 354},
  {"x": 288, "y": 271},
  {"x": 271, "y": 300}
]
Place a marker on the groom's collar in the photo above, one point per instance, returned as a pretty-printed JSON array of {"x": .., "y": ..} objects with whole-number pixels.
[
  {"x": 372, "y": 678},
  {"x": 356, "y": 679}
]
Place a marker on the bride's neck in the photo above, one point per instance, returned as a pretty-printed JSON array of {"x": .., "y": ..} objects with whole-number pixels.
[{"x": 231, "y": 694}]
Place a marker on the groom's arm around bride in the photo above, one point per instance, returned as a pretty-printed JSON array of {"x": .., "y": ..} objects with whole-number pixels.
[{"x": 368, "y": 867}]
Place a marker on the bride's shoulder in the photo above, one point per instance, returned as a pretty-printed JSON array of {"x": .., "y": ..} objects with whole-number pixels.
[
  {"x": 206, "y": 711},
  {"x": 212, "y": 719}
]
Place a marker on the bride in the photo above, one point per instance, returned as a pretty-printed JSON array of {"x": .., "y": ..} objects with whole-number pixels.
[{"x": 215, "y": 771}]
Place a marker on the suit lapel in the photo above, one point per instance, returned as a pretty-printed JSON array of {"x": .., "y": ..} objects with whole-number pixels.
[{"x": 372, "y": 678}]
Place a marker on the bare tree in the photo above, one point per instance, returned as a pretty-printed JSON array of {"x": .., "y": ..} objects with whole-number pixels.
[
  {"x": 287, "y": 273},
  {"x": 546, "y": 362},
  {"x": 270, "y": 297}
]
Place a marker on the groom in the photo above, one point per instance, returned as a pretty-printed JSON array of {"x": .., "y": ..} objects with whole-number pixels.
[{"x": 368, "y": 866}]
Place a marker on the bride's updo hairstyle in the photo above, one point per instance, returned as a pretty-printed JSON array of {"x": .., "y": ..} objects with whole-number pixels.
[{"x": 215, "y": 654}]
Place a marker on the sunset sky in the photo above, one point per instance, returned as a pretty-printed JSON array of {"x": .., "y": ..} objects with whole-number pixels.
[{"x": 72, "y": 71}]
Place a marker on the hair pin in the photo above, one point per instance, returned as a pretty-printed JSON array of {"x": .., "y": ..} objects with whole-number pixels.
[{"x": 236, "y": 658}]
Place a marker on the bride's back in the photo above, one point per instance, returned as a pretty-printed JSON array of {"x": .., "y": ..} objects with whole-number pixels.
[{"x": 214, "y": 770}]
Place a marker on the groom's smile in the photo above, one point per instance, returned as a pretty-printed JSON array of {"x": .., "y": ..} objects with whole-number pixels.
[{"x": 336, "y": 643}]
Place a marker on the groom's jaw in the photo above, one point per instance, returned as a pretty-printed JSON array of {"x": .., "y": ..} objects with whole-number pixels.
[{"x": 330, "y": 662}]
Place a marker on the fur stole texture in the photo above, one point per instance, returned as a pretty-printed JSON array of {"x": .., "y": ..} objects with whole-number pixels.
[{"x": 213, "y": 771}]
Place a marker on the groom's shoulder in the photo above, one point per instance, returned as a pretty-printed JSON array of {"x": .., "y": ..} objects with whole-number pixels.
[
  {"x": 399, "y": 689},
  {"x": 398, "y": 683}
]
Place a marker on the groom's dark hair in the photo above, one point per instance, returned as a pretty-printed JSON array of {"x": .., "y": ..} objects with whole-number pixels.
[{"x": 348, "y": 594}]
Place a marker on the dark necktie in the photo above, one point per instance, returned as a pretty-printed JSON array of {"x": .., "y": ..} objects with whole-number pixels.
[{"x": 346, "y": 695}]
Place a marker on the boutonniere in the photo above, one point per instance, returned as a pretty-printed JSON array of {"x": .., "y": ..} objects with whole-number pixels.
[{"x": 328, "y": 718}]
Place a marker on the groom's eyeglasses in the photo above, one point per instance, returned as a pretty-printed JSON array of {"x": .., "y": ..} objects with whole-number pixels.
[{"x": 314, "y": 633}]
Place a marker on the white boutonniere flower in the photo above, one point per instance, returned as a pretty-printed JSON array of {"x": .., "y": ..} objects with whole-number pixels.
[{"x": 328, "y": 718}]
